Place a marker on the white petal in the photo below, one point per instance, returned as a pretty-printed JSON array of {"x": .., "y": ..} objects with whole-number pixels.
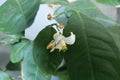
[
  {"x": 60, "y": 43},
  {"x": 70, "y": 40},
  {"x": 62, "y": 63},
  {"x": 57, "y": 36}
]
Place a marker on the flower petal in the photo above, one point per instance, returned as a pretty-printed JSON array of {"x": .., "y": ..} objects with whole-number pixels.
[
  {"x": 70, "y": 40},
  {"x": 57, "y": 37},
  {"x": 58, "y": 45},
  {"x": 62, "y": 63},
  {"x": 61, "y": 46}
]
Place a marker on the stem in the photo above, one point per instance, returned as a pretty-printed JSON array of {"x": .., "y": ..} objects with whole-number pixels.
[
  {"x": 55, "y": 24},
  {"x": 64, "y": 12}
]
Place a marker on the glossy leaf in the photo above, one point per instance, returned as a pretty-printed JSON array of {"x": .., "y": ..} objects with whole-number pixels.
[
  {"x": 16, "y": 15},
  {"x": 115, "y": 33},
  {"x": 94, "y": 56},
  {"x": 30, "y": 70},
  {"x": 46, "y": 61},
  {"x": 89, "y": 9},
  {"x": 110, "y": 2},
  {"x": 8, "y": 39},
  {"x": 18, "y": 50},
  {"x": 54, "y": 1},
  {"x": 63, "y": 75},
  {"x": 4, "y": 76}
]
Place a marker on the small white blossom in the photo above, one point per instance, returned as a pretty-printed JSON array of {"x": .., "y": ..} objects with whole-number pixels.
[{"x": 59, "y": 42}]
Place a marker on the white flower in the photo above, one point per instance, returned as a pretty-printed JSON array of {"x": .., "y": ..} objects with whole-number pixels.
[{"x": 59, "y": 42}]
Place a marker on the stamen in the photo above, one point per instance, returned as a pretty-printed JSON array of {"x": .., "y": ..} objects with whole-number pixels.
[
  {"x": 63, "y": 48},
  {"x": 51, "y": 45}
]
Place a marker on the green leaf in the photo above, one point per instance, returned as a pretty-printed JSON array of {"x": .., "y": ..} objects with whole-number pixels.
[
  {"x": 18, "y": 50},
  {"x": 109, "y": 2},
  {"x": 88, "y": 8},
  {"x": 54, "y": 1},
  {"x": 95, "y": 13},
  {"x": 94, "y": 56},
  {"x": 63, "y": 75},
  {"x": 16, "y": 15},
  {"x": 46, "y": 61},
  {"x": 6, "y": 39},
  {"x": 115, "y": 33},
  {"x": 4, "y": 76},
  {"x": 30, "y": 70}
]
